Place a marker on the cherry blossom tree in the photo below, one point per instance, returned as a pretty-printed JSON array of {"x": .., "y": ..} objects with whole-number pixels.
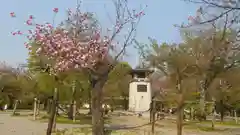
[{"x": 74, "y": 44}]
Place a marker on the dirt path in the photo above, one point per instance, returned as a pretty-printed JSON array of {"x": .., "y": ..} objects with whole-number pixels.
[
  {"x": 165, "y": 127},
  {"x": 22, "y": 126}
]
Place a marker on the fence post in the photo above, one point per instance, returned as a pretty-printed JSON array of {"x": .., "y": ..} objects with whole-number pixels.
[
  {"x": 15, "y": 107},
  {"x": 35, "y": 109},
  {"x": 235, "y": 116}
]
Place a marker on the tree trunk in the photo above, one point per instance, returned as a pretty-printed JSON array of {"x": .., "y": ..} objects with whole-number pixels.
[
  {"x": 214, "y": 116},
  {"x": 97, "y": 110},
  {"x": 38, "y": 107},
  {"x": 11, "y": 102},
  {"x": 73, "y": 104},
  {"x": 90, "y": 101},
  {"x": 202, "y": 100},
  {"x": 153, "y": 115},
  {"x": 191, "y": 113},
  {"x": 55, "y": 119},
  {"x": 180, "y": 115},
  {"x": 70, "y": 111},
  {"x": 52, "y": 117},
  {"x": 74, "y": 111},
  {"x": 125, "y": 103},
  {"x": 49, "y": 105},
  {"x": 150, "y": 112},
  {"x": 205, "y": 83},
  {"x": 221, "y": 110},
  {"x": 203, "y": 90},
  {"x": 72, "y": 108},
  {"x": 180, "y": 103},
  {"x": 45, "y": 104}
]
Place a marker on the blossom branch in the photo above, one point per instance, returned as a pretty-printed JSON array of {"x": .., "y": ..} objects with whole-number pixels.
[{"x": 78, "y": 43}]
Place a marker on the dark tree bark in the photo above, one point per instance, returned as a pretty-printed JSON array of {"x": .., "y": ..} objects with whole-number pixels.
[
  {"x": 50, "y": 102},
  {"x": 153, "y": 115},
  {"x": 180, "y": 115},
  {"x": 38, "y": 107},
  {"x": 90, "y": 101},
  {"x": 125, "y": 103},
  {"x": 70, "y": 111},
  {"x": 11, "y": 102},
  {"x": 151, "y": 111},
  {"x": 72, "y": 108},
  {"x": 213, "y": 114},
  {"x": 45, "y": 104},
  {"x": 180, "y": 103},
  {"x": 97, "y": 110},
  {"x": 52, "y": 117},
  {"x": 221, "y": 110}
]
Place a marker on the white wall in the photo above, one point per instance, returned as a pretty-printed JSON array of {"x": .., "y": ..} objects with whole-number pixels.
[
  {"x": 139, "y": 101},
  {"x": 131, "y": 99}
]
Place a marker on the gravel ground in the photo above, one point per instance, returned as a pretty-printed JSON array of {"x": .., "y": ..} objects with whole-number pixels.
[{"x": 23, "y": 126}]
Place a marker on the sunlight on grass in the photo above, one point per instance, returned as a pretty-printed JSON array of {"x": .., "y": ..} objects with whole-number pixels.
[
  {"x": 224, "y": 123},
  {"x": 81, "y": 119},
  {"x": 207, "y": 125},
  {"x": 205, "y": 128},
  {"x": 88, "y": 131}
]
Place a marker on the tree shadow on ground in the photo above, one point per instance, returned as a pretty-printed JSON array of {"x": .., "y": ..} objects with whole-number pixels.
[{"x": 81, "y": 119}]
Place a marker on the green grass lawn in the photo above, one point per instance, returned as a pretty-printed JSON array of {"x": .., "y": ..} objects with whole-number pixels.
[
  {"x": 207, "y": 125},
  {"x": 88, "y": 131},
  {"x": 80, "y": 119},
  {"x": 205, "y": 128},
  {"x": 224, "y": 123}
]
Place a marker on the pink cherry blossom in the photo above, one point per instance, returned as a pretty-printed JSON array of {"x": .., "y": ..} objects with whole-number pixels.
[
  {"x": 66, "y": 50},
  {"x": 12, "y": 14},
  {"x": 31, "y": 17},
  {"x": 55, "y": 10},
  {"x": 14, "y": 33},
  {"x": 29, "y": 22},
  {"x": 19, "y": 32}
]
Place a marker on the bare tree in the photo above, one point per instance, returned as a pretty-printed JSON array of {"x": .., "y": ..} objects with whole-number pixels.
[
  {"x": 215, "y": 20},
  {"x": 178, "y": 67}
]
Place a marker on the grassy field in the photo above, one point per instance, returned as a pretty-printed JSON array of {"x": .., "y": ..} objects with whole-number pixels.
[
  {"x": 88, "y": 131},
  {"x": 80, "y": 119}
]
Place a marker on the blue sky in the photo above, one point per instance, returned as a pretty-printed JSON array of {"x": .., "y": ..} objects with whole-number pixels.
[{"x": 158, "y": 22}]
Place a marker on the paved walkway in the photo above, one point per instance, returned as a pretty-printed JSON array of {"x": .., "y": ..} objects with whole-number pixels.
[{"x": 22, "y": 126}]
